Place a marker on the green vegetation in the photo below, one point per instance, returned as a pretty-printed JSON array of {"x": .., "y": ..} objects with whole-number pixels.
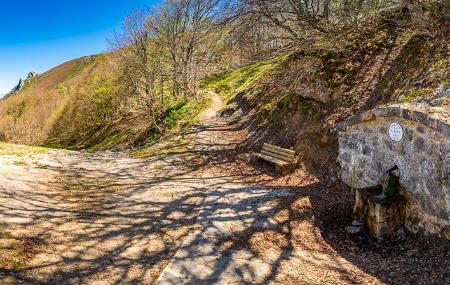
[
  {"x": 13, "y": 258},
  {"x": 14, "y": 253},
  {"x": 230, "y": 83},
  {"x": 20, "y": 150},
  {"x": 107, "y": 143},
  {"x": 144, "y": 92},
  {"x": 169, "y": 144},
  {"x": 175, "y": 113},
  {"x": 101, "y": 99},
  {"x": 62, "y": 89},
  {"x": 178, "y": 116},
  {"x": 412, "y": 95},
  {"x": 20, "y": 163},
  {"x": 446, "y": 83},
  {"x": 79, "y": 66}
]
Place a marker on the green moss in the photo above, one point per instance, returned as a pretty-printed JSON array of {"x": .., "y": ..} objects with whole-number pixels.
[
  {"x": 412, "y": 95},
  {"x": 276, "y": 111},
  {"x": 446, "y": 83},
  {"x": 391, "y": 187}
]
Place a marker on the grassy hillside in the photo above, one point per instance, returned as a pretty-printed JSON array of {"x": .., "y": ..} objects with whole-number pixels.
[
  {"x": 296, "y": 102},
  {"x": 80, "y": 105},
  {"x": 29, "y": 116}
]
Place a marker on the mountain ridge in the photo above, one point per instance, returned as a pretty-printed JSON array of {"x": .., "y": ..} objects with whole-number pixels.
[{"x": 22, "y": 83}]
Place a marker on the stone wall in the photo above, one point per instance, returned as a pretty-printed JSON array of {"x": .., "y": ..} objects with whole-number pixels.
[{"x": 366, "y": 151}]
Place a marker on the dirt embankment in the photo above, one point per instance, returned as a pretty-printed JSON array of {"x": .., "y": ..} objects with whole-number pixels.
[{"x": 297, "y": 102}]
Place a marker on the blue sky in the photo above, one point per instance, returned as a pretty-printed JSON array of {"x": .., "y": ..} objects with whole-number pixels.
[{"x": 36, "y": 35}]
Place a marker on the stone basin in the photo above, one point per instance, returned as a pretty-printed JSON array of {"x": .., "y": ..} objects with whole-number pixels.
[{"x": 382, "y": 217}]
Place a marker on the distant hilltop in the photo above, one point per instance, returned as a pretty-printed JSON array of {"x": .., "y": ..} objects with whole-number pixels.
[{"x": 22, "y": 83}]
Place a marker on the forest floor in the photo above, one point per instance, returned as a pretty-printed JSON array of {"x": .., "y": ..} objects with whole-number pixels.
[{"x": 197, "y": 213}]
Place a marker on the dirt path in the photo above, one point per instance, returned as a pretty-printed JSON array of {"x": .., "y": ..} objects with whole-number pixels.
[
  {"x": 189, "y": 215},
  {"x": 105, "y": 218}
]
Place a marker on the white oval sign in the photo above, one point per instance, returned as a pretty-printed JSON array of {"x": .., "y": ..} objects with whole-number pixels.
[{"x": 395, "y": 132}]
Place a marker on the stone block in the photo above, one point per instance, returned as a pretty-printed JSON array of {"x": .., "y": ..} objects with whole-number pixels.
[
  {"x": 383, "y": 217},
  {"x": 367, "y": 150},
  {"x": 443, "y": 128},
  {"x": 389, "y": 144},
  {"x": 368, "y": 130},
  {"x": 376, "y": 166},
  {"x": 345, "y": 157},
  {"x": 419, "y": 144},
  {"x": 354, "y": 145},
  {"x": 366, "y": 116},
  {"x": 375, "y": 141},
  {"x": 407, "y": 134},
  {"x": 387, "y": 112},
  {"x": 374, "y": 176},
  {"x": 343, "y": 142}
]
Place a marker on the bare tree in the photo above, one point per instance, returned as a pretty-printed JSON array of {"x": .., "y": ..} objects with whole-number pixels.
[
  {"x": 142, "y": 65},
  {"x": 189, "y": 30}
]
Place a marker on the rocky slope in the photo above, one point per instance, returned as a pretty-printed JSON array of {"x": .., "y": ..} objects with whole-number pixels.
[{"x": 22, "y": 83}]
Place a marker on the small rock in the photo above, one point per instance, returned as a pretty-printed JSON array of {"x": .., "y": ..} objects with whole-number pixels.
[
  {"x": 437, "y": 102},
  {"x": 401, "y": 235},
  {"x": 357, "y": 223},
  {"x": 353, "y": 229}
]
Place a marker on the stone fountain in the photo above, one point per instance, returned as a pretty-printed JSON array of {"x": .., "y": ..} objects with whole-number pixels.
[{"x": 380, "y": 209}]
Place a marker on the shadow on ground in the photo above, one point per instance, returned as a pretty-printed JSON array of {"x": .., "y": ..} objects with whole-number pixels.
[{"x": 109, "y": 219}]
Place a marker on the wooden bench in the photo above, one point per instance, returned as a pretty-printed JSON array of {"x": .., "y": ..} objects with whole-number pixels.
[{"x": 282, "y": 158}]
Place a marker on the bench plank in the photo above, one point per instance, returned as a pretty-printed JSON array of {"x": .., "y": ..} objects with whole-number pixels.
[
  {"x": 278, "y": 150},
  {"x": 271, "y": 159},
  {"x": 280, "y": 157}
]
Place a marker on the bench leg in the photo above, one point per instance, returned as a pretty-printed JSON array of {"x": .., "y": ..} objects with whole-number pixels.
[{"x": 284, "y": 170}]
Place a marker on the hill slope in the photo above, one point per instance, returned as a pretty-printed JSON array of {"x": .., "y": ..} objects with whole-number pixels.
[
  {"x": 29, "y": 116},
  {"x": 81, "y": 105},
  {"x": 297, "y": 100}
]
